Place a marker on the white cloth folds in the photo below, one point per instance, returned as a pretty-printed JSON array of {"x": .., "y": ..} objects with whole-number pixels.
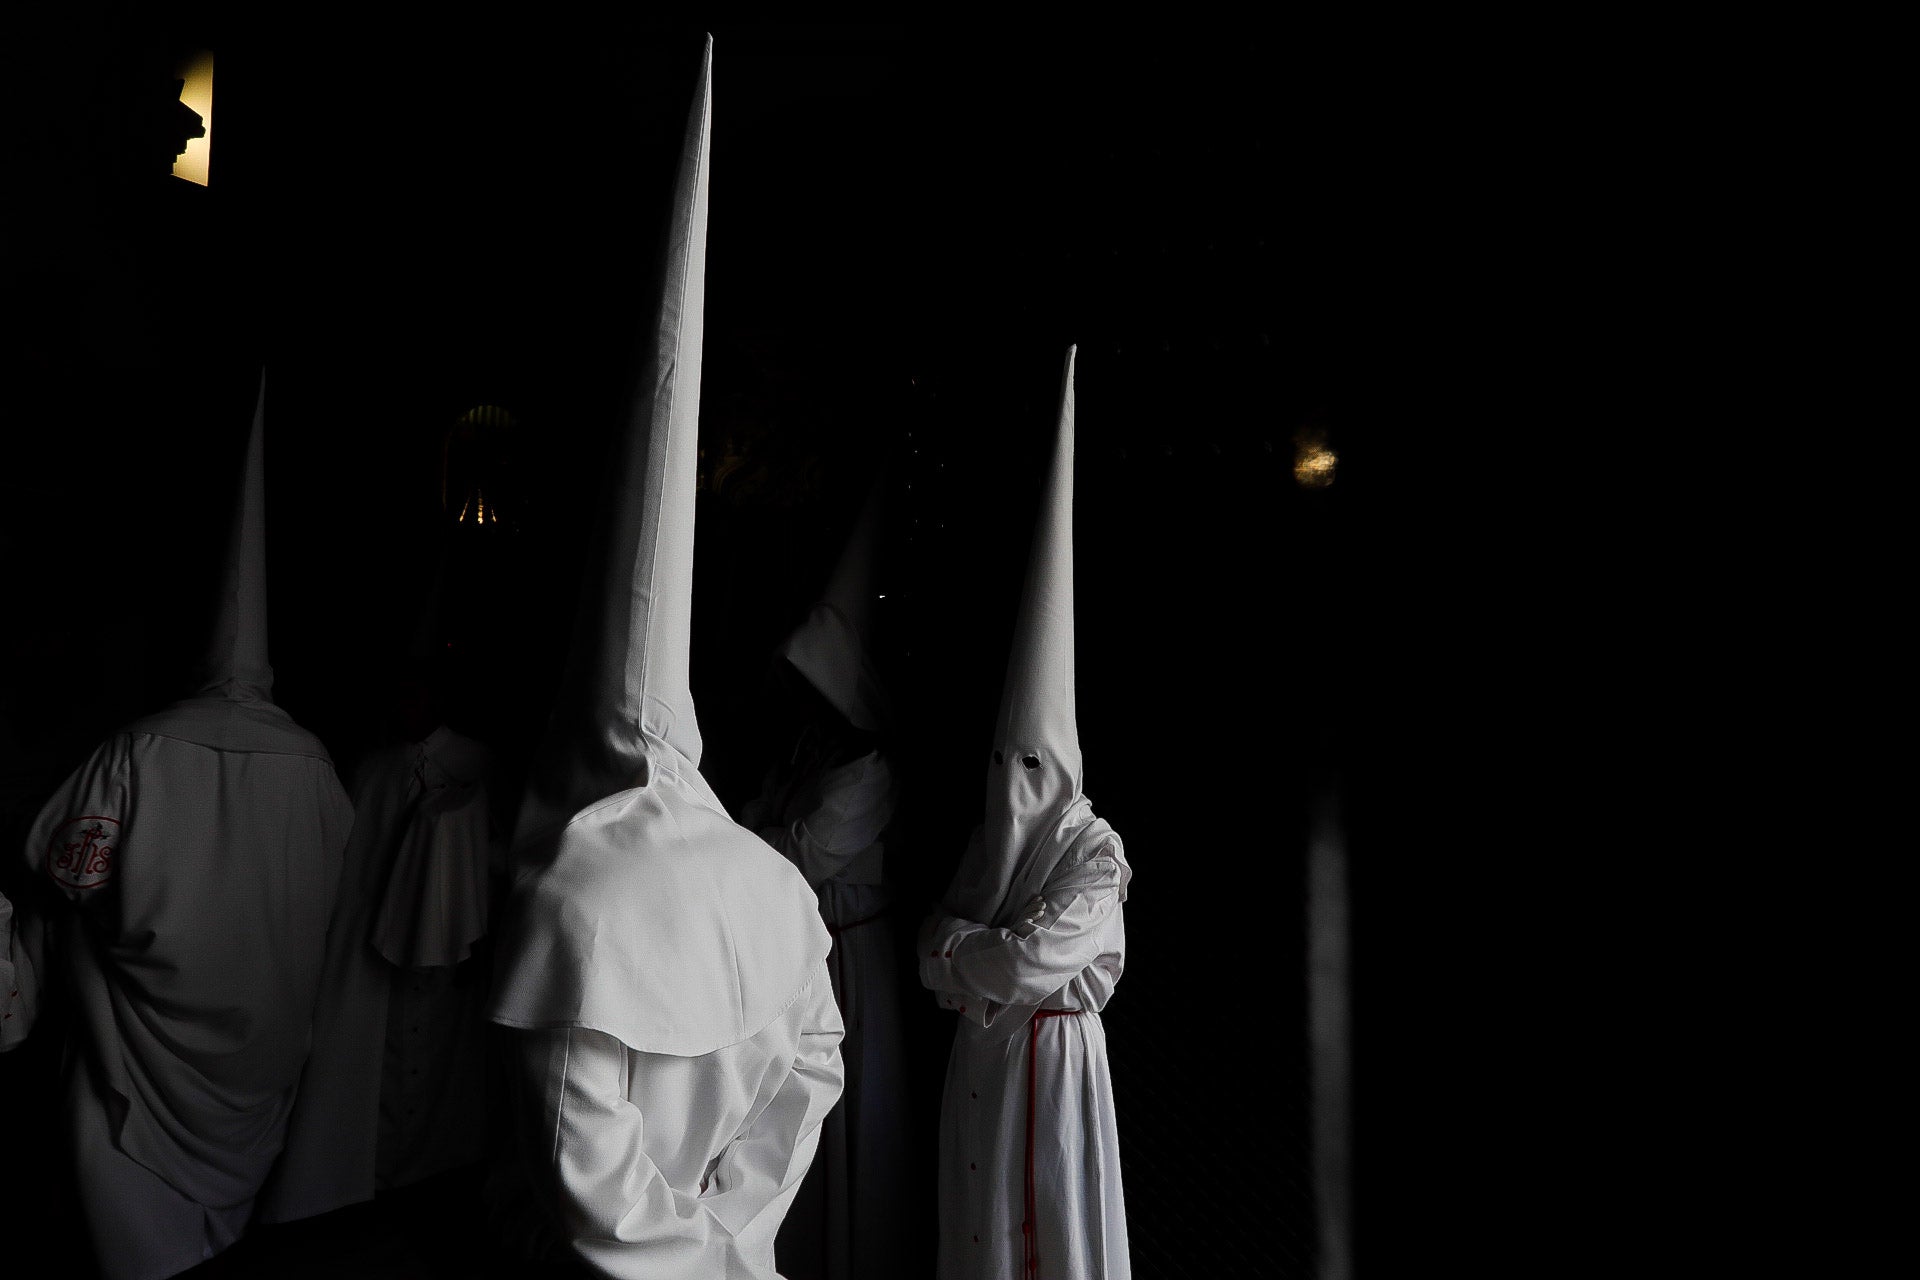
[
  {"x": 665, "y": 1167},
  {"x": 19, "y": 984},
  {"x": 201, "y": 851},
  {"x": 435, "y": 904},
  {"x": 659, "y": 922},
  {"x": 1065, "y": 953},
  {"x": 830, "y": 826}
]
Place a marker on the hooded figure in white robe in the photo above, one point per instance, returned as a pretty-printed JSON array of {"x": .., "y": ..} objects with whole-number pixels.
[
  {"x": 190, "y": 867},
  {"x": 825, "y": 808},
  {"x": 430, "y": 917},
  {"x": 408, "y": 1099},
  {"x": 1026, "y": 953},
  {"x": 677, "y": 1041}
]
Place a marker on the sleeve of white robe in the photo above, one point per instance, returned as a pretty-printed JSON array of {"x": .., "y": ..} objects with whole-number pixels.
[
  {"x": 18, "y": 991},
  {"x": 856, "y": 803},
  {"x": 333, "y": 1133},
  {"x": 98, "y": 789},
  {"x": 759, "y": 1174},
  {"x": 965, "y": 963},
  {"x": 617, "y": 1209}
]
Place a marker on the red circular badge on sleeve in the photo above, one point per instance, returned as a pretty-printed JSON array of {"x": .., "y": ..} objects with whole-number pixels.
[{"x": 81, "y": 855}]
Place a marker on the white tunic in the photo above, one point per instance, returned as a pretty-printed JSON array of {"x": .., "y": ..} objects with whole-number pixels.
[
  {"x": 432, "y": 912},
  {"x": 668, "y": 974},
  {"x": 1066, "y": 954},
  {"x": 665, "y": 1167},
  {"x": 846, "y": 1222},
  {"x": 201, "y": 851},
  {"x": 392, "y": 1094}
]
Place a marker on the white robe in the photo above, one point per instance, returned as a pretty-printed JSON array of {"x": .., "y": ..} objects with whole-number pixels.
[
  {"x": 392, "y": 1094},
  {"x": 432, "y": 913},
  {"x": 667, "y": 972},
  {"x": 1066, "y": 953},
  {"x": 19, "y": 985},
  {"x": 846, "y": 1222},
  {"x": 665, "y": 1167},
  {"x": 201, "y": 849}
]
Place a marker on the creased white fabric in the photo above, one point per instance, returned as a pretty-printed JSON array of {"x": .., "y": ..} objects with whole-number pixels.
[
  {"x": 660, "y": 922},
  {"x": 666, "y": 1167},
  {"x": 351, "y": 1133},
  {"x": 847, "y": 1217},
  {"x": 434, "y": 1113},
  {"x": 828, "y": 824},
  {"x": 19, "y": 983},
  {"x": 434, "y": 906},
  {"x": 202, "y": 876},
  {"x": 1065, "y": 953}
]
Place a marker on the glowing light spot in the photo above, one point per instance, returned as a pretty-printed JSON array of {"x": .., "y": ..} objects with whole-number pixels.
[
  {"x": 197, "y": 94},
  {"x": 1313, "y": 460}
]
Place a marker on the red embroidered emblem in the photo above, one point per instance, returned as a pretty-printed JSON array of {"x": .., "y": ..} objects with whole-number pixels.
[{"x": 81, "y": 855}]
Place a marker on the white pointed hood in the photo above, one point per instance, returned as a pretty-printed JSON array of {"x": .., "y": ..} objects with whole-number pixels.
[
  {"x": 235, "y": 666},
  {"x": 626, "y": 704},
  {"x": 833, "y": 648},
  {"x": 642, "y": 909},
  {"x": 1035, "y": 811}
]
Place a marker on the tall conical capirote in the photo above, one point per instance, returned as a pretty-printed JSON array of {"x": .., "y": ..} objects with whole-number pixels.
[
  {"x": 1034, "y": 766},
  {"x": 235, "y": 665},
  {"x": 626, "y": 703},
  {"x": 834, "y": 646}
]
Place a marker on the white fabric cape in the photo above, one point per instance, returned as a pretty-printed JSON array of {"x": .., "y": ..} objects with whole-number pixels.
[{"x": 662, "y": 923}]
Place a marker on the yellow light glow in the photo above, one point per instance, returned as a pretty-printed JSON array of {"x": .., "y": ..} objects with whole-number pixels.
[
  {"x": 1314, "y": 467},
  {"x": 1313, "y": 460},
  {"x": 197, "y": 71}
]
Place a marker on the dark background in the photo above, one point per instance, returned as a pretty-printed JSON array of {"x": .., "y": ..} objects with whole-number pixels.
[{"x": 910, "y": 223}]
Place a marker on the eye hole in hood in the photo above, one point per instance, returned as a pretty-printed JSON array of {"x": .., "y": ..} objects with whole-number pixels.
[{"x": 1031, "y": 761}]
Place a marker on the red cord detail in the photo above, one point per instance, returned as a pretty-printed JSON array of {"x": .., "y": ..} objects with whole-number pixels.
[{"x": 1029, "y": 1230}]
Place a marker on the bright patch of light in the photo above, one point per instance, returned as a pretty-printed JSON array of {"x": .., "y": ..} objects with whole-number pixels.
[
  {"x": 1313, "y": 460},
  {"x": 197, "y": 71}
]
